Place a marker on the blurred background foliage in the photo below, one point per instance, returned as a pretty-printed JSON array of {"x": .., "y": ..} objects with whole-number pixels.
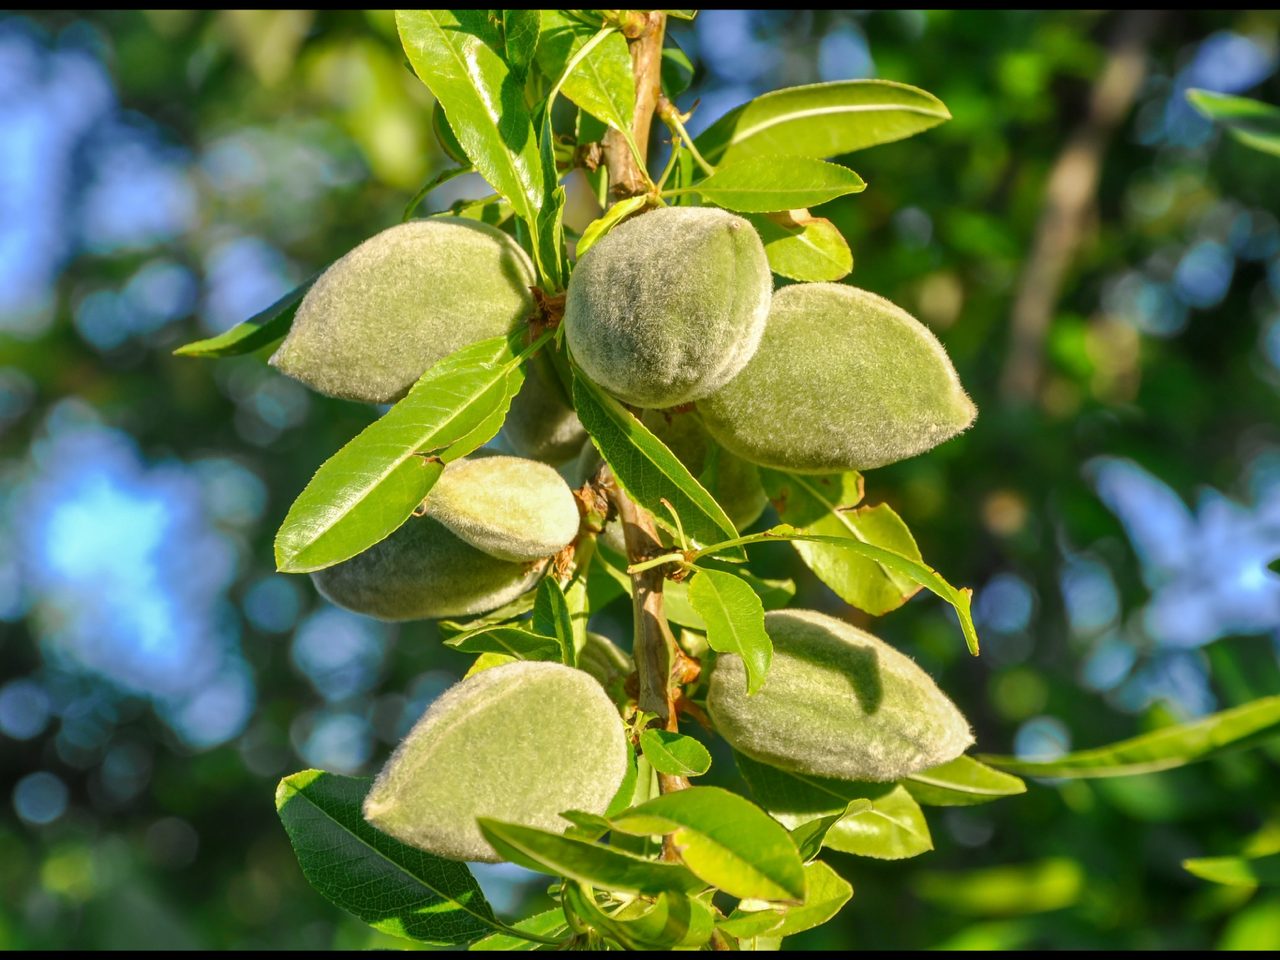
[{"x": 168, "y": 173}]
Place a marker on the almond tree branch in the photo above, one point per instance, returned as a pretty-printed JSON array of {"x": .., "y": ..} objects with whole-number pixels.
[
  {"x": 626, "y": 179},
  {"x": 1069, "y": 198}
]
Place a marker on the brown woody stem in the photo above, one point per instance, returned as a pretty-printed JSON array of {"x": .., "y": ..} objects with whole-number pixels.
[{"x": 626, "y": 179}]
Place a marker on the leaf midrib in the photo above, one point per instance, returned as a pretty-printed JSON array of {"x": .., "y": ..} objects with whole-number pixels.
[
  {"x": 844, "y": 521},
  {"x": 740, "y": 136}
]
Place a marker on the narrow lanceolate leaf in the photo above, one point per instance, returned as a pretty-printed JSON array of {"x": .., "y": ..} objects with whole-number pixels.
[
  {"x": 391, "y": 886},
  {"x": 602, "y": 83},
  {"x": 552, "y": 618},
  {"x": 455, "y": 54},
  {"x": 1252, "y": 122},
  {"x": 648, "y": 471},
  {"x": 821, "y": 120},
  {"x": 726, "y": 840},
  {"x": 809, "y": 836},
  {"x": 734, "y": 619},
  {"x": 520, "y": 30},
  {"x": 598, "y": 229},
  {"x": 762, "y": 184},
  {"x": 258, "y": 331},
  {"x": 444, "y": 176},
  {"x": 513, "y": 641},
  {"x": 828, "y": 505},
  {"x": 673, "y": 921},
  {"x": 894, "y": 562},
  {"x": 368, "y": 488},
  {"x": 675, "y": 754},
  {"x": 1163, "y": 749},
  {"x": 961, "y": 783},
  {"x": 893, "y": 829},
  {"x": 602, "y": 867},
  {"x": 803, "y": 247},
  {"x": 1238, "y": 871},
  {"x": 551, "y": 924}
]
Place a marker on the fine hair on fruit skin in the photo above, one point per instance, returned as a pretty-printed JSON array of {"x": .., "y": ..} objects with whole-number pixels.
[
  {"x": 381, "y": 316},
  {"x": 670, "y": 305},
  {"x": 843, "y": 380}
]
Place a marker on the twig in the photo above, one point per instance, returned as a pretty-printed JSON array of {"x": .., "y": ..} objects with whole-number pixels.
[{"x": 626, "y": 179}]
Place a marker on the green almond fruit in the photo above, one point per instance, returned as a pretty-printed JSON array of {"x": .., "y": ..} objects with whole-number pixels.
[
  {"x": 381, "y": 316},
  {"x": 734, "y": 482},
  {"x": 511, "y": 508},
  {"x": 837, "y": 702},
  {"x": 669, "y": 305},
  {"x": 521, "y": 742},
  {"x": 423, "y": 571},
  {"x": 843, "y": 380},
  {"x": 604, "y": 660},
  {"x": 540, "y": 425}
]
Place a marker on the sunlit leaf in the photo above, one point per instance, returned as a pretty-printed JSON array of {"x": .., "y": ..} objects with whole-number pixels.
[
  {"x": 1012, "y": 890},
  {"x": 443, "y": 177},
  {"x": 1238, "y": 871},
  {"x": 1163, "y": 749},
  {"x": 598, "y": 229},
  {"x": 734, "y": 619},
  {"x": 391, "y": 886},
  {"x": 961, "y": 783},
  {"x": 258, "y": 331},
  {"x": 763, "y": 184},
  {"x": 809, "y": 836},
  {"x": 675, "y": 754},
  {"x": 1252, "y": 122},
  {"x": 513, "y": 641},
  {"x": 672, "y": 921},
  {"x": 520, "y": 30},
  {"x": 552, "y": 618},
  {"x": 828, "y": 892},
  {"x": 803, "y": 247},
  {"x": 602, "y": 83},
  {"x": 550, "y": 924}
]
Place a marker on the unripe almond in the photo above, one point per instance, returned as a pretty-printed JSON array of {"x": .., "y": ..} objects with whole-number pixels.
[{"x": 540, "y": 425}]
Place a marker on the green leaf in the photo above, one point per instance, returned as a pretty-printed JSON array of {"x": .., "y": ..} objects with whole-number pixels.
[
  {"x": 551, "y": 618},
  {"x": 677, "y": 70},
  {"x": 513, "y": 641},
  {"x": 393, "y": 887},
  {"x": 520, "y": 39},
  {"x": 602, "y": 867},
  {"x": 551, "y": 234},
  {"x": 672, "y": 921},
  {"x": 487, "y": 660},
  {"x": 368, "y": 488},
  {"x": 258, "y": 331},
  {"x": 825, "y": 505},
  {"x": 625, "y": 796},
  {"x": 763, "y": 184},
  {"x": 602, "y": 83},
  {"x": 725, "y": 839},
  {"x": 1015, "y": 889},
  {"x": 1252, "y": 122},
  {"x": 821, "y": 120},
  {"x": 893, "y": 829},
  {"x": 809, "y": 836},
  {"x": 828, "y": 892},
  {"x": 675, "y": 754},
  {"x": 455, "y": 54},
  {"x": 735, "y": 621},
  {"x": 599, "y": 228},
  {"x": 961, "y": 783},
  {"x": 520, "y": 605},
  {"x": 1163, "y": 749},
  {"x": 648, "y": 471},
  {"x": 443, "y": 177},
  {"x": 446, "y": 137},
  {"x": 803, "y": 247},
  {"x": 1237, "y": 871},
  {"x": 586, "y": 826},
  {"x": 549, "y": 924}
]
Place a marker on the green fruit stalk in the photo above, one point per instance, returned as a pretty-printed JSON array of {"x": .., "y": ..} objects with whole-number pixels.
[
  {"x": 521, "y": 743},
  {"x": 421, "y": 571},
  {"x": 670, "y": 305},
  {"x": 838, "y": 702},
  {"x": 385, "y": 313},
  {"x": 843, "y": 380},
  {"x": 512, "y": 509}
]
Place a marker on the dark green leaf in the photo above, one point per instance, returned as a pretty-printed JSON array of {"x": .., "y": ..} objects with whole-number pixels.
[
  {"x": 368, "y": 488},
  {"x": 763, "y": 184},
  {"x": 677, "y": 70},
  {"x": 803, "y": 247},
  {"x": 809, "y": 836},
  {"x": 602, "y": 83},
  {"x": 455, "y": 54},
  {"x": 513, "y": 641},
  {"x": 726, "y": 840},
  {"x": 445, "y": 136},
  {"x": 893, "y": 829},
  {"x": 443, "y": 177},
  {"x": 673, "y": 920},
  {"x": 1252, "y": 122},
  {"x": 675, "y": 754},
  {"x": 961, "y": 783},
  {"x": 258, "y": 331},
  {"x": 1238, "y": 871},
  {"x": 826, "y": 505},
  {"x": 552, "y": 618},
  {"x": 1163, "y": 749},
  {"x": 648, "y": 470},
  {"x": 391, "y": 886},
  {"x": 550, "y": 924},
  {"x": 821, "y": 120},
  {"x": 602, "y": 867},
  {"x": 735, "y": 621},
  {"x": 520, "y": 39}
]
